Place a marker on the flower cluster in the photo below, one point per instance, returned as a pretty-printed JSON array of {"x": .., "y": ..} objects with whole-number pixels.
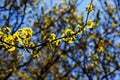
[
  {"x": 80, "y": 29},
  {"x": 90, "y": 8},
  {"x": 101, "y": 46},
  {"x": 68, "y": 36},
  {"x": 52, "y": 38},
  {"x": 19, "y": 38},
  {"x": 91, "y": 24}
]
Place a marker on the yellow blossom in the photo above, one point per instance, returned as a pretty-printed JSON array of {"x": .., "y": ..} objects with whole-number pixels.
[
  {"x": 55, "y": 10},
  {"x": 90, "y": 23},
  {"x": 80, "y": 29},
  {"x": 108, "y": 58},
  {"x": 94, "y": 64},
  {"x": 11, "y": 49},
  {"x": 114, "y": 24},
  {"x": 6, "y": 29},
  {"x": 52, "y": 38},
  {"x": 68, "y": 36},
  {"x": 17, "y": 37},
  {"x": 101, "y": 46},
  {"x": 55, "y": 40},
  {"x": 25, "y": 33},
  {"x": 63, "y": 56},
  {"x": 31, "y": 44},
  {"x": 94, "y": 57},
  {"x": 79, "y": 26},
  {"x": 92, "y": 36},
  {"x": 8, "y": 38},
  {"x": 90, "y": 8},
  {"x": 10, "y": 41},
  {"x": 100, "y": 49},
  {"x": 96, "y": 25},
  {"x": 28, "y": 31}
]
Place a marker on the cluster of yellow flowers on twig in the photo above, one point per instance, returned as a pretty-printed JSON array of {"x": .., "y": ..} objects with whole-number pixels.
[{"x": 19, "y": 38}]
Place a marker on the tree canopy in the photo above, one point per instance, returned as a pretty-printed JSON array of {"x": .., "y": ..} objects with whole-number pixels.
[{"x": 59, "y": 41}]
